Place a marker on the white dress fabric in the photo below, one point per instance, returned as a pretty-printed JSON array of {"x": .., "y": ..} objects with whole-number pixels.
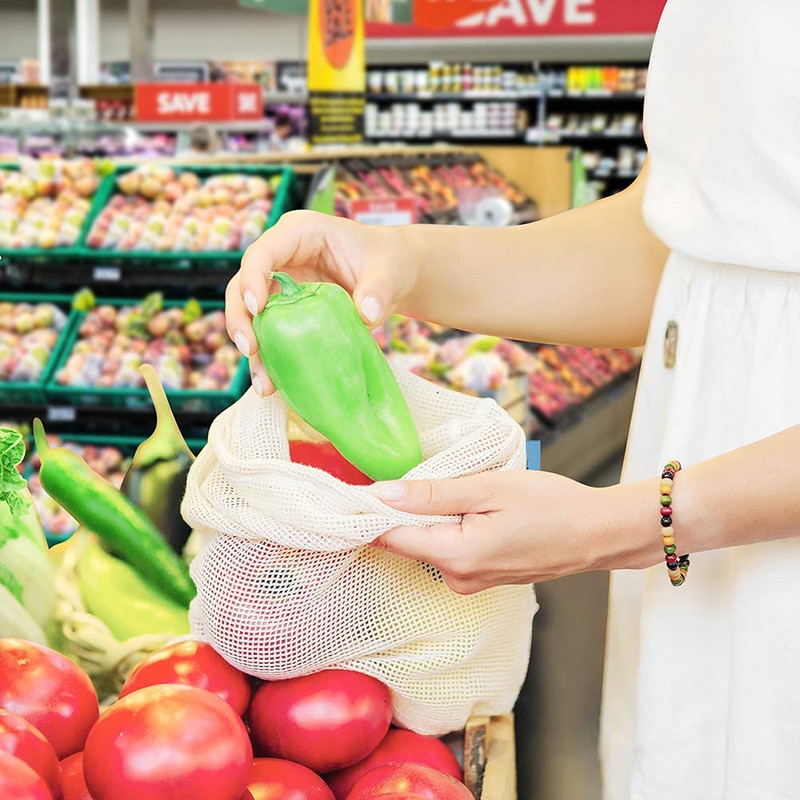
[{"x": 701, "y": 697}]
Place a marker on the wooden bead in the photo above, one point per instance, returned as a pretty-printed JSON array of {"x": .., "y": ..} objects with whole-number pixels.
[{"x": 677, "y": 566}]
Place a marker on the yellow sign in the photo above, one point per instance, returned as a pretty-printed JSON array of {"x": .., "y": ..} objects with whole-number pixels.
[{"x": 336, "y": 73}]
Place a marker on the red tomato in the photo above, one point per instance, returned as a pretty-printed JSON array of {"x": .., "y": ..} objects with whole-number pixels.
[
  {"x": 164, "y": 742},
  {"x": 72, "y": 778},
  {"x": 408, "y": 778},
  {"x": 278, "y": 779},
  {"x": 49, "y": 691},
  {"x": 397, "y": 747},
  {"x": 402, "y": 796},
  {"x": 325, "y": 721},
  {"x": 18, "y": 780},
  {"x": 194, "y": 664},
  {"x": 19, "y": 738},
  {"x": 324, "y": 456}
]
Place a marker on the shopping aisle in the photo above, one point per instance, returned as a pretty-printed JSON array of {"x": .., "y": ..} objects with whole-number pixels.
[{"x": 558, "y": 709}]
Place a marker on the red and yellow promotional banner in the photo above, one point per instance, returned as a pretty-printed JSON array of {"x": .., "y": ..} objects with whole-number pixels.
[
  {"x": 198, "y": 102},
  {"x": 336, "y": 72},
  {"x": 464, "y": 18}
]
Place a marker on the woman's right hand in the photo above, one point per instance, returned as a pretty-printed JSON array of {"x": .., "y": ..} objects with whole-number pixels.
[{"x": 366, "y": 260}]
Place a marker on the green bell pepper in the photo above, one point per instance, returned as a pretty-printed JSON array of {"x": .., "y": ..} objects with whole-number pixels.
[{"x": 330, "y": 371}]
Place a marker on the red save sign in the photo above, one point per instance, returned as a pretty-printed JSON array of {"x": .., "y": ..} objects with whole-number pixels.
[
  {"x": 197, "y": 102},
  {"x": 464, "y": 18},
  {"x": 382, "y": 211}
]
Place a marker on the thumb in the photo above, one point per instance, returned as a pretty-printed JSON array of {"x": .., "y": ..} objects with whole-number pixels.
[
  {"x": 374, "y": 296},
  {"x": 381, "y": 287},
  {"x": 440, "y": 497},
  {"x": 431, "y": 545}
]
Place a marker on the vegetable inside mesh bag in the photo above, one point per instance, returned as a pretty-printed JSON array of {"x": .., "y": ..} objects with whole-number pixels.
[{"x": 286, "y": 584}]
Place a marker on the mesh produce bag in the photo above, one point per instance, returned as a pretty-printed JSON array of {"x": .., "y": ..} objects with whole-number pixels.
[{"x": 287, "y": 586}]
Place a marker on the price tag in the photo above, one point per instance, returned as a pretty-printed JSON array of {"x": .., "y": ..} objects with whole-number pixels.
[
  {"x": 61, "y": 414},
  {"x": 107, "y": 274},
  {"x": 373, "y": 211}
]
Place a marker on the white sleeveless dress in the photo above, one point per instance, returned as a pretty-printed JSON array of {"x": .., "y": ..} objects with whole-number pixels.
[{"x": 701, "y": 696}]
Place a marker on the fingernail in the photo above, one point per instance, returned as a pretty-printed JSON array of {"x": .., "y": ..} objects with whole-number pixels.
[
  {"x": 371, "y": 308},
  {"x": 391, "y": 490},
  {"x": 250, "y": 302},
  {"x": 256, "y": 381},
  {"x": 240, "y": 340}
]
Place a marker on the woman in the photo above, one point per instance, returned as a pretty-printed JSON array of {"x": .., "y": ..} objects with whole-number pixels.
[{"x": 701, "y": 698}]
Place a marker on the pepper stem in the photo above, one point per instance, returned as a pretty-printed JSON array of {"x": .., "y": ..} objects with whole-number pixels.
[
  {"x": 288, "y": 284},
  {"x": 167, "y": 435},
  {"x": 40, "y": 438}
]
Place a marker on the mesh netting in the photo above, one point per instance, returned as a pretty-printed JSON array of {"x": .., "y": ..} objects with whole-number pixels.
[{"x": 287, "y": 586}]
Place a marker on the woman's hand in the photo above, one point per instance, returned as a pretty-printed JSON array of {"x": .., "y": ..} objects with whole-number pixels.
[
  {"x": 366, "y": 260},
  {"x": 516, "y": 527}
]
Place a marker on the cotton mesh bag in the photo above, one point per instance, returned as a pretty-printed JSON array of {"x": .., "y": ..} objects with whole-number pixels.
[{"x": 287, "y": 584}]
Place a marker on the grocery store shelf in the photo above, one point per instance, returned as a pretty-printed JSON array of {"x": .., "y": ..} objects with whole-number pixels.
[
  {"x": 595, "y": 94},
  {"x": 539, "y": 136},
  {"x": 113, "y": 279},
  {"x": 611, "y": 175},
  {"x": 288, "y": 98},
  {"x": 559, "y": 136},
  {"x": 579, "y": 48},
  {"x": 473, "y": 95},
  {"x": 471, "y": 135},
  {"x": 477, "y": 94},
  {"x": 230, "y": 126}
]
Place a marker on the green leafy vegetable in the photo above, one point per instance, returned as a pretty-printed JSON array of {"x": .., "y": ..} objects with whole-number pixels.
[{"x": 12, "y": 451}]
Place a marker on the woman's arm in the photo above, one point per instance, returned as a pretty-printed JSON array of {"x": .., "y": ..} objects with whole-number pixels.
[
  {"x": 527, "y": 527},
  {"x": 586, "y": 277},
  {"x": 742, "y": 497}
]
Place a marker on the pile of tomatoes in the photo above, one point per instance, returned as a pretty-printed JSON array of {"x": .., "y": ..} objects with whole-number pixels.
[{"x": 187, "y": 725}]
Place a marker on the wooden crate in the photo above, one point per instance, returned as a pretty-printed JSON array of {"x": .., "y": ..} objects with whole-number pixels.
[{"x": 490, "y": 767}]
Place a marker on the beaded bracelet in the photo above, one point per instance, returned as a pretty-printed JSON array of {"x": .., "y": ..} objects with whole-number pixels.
[{"x": 677, "y": 566}]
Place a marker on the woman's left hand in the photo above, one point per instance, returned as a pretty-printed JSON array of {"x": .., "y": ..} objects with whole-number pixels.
[{"x": 516, "y": 527}]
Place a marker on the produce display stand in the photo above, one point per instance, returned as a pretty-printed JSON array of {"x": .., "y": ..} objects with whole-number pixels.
[
  {"x": 490, "y": 769},
  {"x": 58, "y": 254},
  {"x": 228, "y": 259},
  {"x": 34, "y": 392},
  {"x": 139, "y": 397}
]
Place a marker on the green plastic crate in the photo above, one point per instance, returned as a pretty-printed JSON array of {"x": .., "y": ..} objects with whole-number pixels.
[
  {"x": 125, "y": 444},
  {"x": 17, "y": 393},
  {"x": 40, "y": 255},
  {"x": 185, "y": 259},
  {"x": 139, "y": 397}
]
